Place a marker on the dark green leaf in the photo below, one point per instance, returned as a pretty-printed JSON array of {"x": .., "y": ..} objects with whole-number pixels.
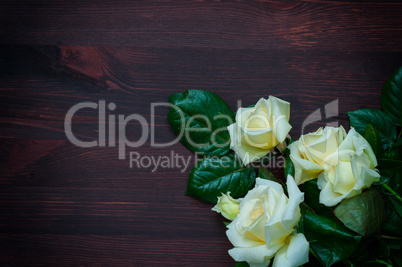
[
  {"x": 330, "y": 239},
  {"x": 395, "y": 152},
  {"x": 289, "y": 168},
  {"x": 213, "y": 176},
  {"x": 373, "y": 138},
  {"x": 394, "y": 244},
  {"x": 266, "y": 174},
  {"x": 393, "y": 221},
  {"x": 385, "y": 163},
  {"x": 226, "y": 223},
  {"x": 201, "y": 118},
  {"x": 300, "y": 224},
  {"x": 395, "y": 181},
  {"x": 370, "y": 249},
  {"x": 312, "y": 198},
  {"x": 397, "y": 205},
  {"x": 391, "y": 96},
  {"x": 397, "y": 259},
  {"x": 241, "y": 264},
  {"x": 363, "y": 213},
  {"x": 360, "y": 118},
  {"x": 391, "y": 167}
]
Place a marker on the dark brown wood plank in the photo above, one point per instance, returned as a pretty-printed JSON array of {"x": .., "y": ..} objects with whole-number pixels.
[
  {"x": 133, "y": 78},
  {"x": 133, "y": 250},
  {"x": 264, "y": 25},
  {"x": 62, "y": 205}
]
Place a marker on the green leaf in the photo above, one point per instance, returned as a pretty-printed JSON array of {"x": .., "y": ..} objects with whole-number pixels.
[
  {"x": 201, "y": 119},
  {"x": 393, "y": 221},
  {"x": 213, "y": 176},
  {"x": 373, "y": 138},
  {"x": 395, "y": 181},
  {"x": 391, "y": 97},
  {"x": 360, "y": 118},
  {"x": 300, "y": 225},
  {"x": 329, "y": 239},
  {"x": 289, "y": 168},
  {"x": 363, "y": 213},
  {"x": 312, "y": 198},
  {"x": 241, "y": 264},
  {"x": 266, "y": 174},
  {"x": 391, "y": 166},
  {"x": 369, "y": 250},
  {"x": 395, "y": 152},
  {"x": 397, "y": 258},
  {"x": 397, "y": 205},
  {"x": 394, "y": 244}
]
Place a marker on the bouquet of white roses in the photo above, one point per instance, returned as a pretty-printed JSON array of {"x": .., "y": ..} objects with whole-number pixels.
[{"x": 341, "y": 201}]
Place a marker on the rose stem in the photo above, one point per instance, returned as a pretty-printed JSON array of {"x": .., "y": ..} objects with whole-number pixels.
[{"x": 392, "y": 191}]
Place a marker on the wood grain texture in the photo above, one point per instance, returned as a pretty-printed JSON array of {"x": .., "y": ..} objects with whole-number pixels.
[
  {"x": 265, "y": 24},
  {"x": 62, "y": 205}
]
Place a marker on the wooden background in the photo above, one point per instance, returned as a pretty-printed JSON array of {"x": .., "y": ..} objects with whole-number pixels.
[{"x": 65, "y": 205}]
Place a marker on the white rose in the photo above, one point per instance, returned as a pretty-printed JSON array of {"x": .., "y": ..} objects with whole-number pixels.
[
  {"x": 258, "y": 129},
  {"x": 266, "y": 224},
  {"x": 227, "y": 206},
  {"x": 308, "y": 153},
  {"x": 349, "y": 171},
  {"x": 344, "y": 163}
]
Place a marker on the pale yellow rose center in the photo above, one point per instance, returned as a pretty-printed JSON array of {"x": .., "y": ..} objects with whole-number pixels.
[
  {"x": 258, "y": 119},
  {"x": 256, "y": 213},
  {"x": 253, "y": 227}
]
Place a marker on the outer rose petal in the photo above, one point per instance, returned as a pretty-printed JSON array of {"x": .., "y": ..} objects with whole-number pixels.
[
  {"x": 275, "y": 186},
  {"x": 354, "y": 141},
  {"x": 280, "y": 117},
  {"x": 291, "y": 215},
  {"x": 286, "y": 216},
  {"x": 330, "y": 198},
  {"x": 255, "y": 256},
  {"x": 246, "y": 152},
  {"x": 294, "y": 253},
  {"x": 304, "y": 170},
  {"x": 238, "y": 240}
]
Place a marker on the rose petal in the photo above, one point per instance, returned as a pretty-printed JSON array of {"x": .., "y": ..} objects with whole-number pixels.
[
  {"x": 254, "y": 256},
  {"x": 344, "y": 178},
  {"x": 239, "y": 240},
  {"x": 293, "y": 254},
  {"x": 305, "y": 170},
  {"x": 274, "y": 185},
  {"x": 280, "y": 117},
  {"x": 259, "y": 138},
  {"x": 291, "y": 214},
  {"x": 245, "y": 152},
  {"x": 275, "y": 233},
  {"x": 330, "y": 198}
]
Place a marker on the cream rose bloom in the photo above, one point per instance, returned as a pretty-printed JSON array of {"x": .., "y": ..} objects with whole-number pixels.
[
  {"x": 265, "y": 226},
  {"x": 309, "y": 152},
  {"x": 260, "y": 128},
  {"x": 344, "y": 163}
]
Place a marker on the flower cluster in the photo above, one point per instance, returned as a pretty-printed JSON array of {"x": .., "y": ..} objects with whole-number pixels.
[
  {"x": 344, "y": 163},
  {"x": 265, "y": 226},
  {"x": 341, "y": 200}
]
